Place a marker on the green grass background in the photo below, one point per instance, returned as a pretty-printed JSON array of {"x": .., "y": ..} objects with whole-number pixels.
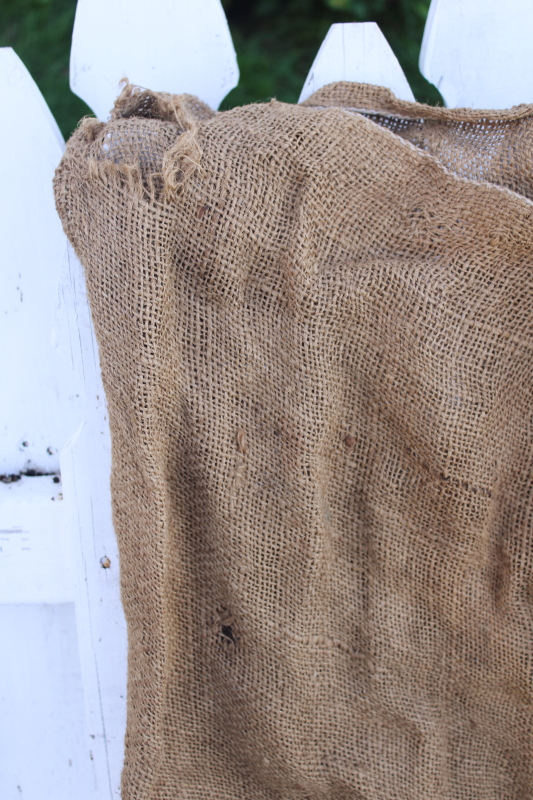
[{"x": 276, "y": 42}]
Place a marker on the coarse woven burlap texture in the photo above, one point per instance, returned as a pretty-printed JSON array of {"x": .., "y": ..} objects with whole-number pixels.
[{"x": 316, "y": 344}]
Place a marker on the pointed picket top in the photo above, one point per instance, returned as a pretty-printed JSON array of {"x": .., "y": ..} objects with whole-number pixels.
[
  {"x": 356, "y": 51},
  {"x": 167, "y": 45},
  {"x": 37, "y": 397},
  {"x": 479, "y": 54}
]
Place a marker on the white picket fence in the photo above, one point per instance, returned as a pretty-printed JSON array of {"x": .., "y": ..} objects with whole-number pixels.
[{"x": 62, "y": 630}]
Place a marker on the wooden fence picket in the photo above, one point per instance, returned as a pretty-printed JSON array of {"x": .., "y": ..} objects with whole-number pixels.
[
  {"x": 192, "y": 52},
  {"x": 167, "y": 46},
  {"x": 479, "y": 53},
  {"x": 356, "y": 51},
  {"x": 44, "y": 750},
  {"x": 85, "y": 470},
  {"x": 41, "y": 413}
]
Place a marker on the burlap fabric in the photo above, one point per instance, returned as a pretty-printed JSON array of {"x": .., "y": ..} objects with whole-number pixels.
[
  {"x": 316, "y": 344},
  {"x": 494, "y": 146}
]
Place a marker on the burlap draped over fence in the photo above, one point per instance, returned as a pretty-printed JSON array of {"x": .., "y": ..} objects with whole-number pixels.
[{"x": 316, "y": 343}]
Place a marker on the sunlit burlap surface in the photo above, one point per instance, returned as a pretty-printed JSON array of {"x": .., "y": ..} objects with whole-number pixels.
[{"x": 316, "y": 344}]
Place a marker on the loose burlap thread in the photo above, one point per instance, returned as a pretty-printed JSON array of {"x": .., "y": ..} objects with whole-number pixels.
[{"x": 316, "y": 340}]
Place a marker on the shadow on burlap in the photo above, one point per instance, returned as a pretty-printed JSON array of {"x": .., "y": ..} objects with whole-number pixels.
[{"x": 316, "y": 344}]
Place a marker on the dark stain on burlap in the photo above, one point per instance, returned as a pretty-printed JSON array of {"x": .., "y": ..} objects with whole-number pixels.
[{"x": 316, "y": 345}]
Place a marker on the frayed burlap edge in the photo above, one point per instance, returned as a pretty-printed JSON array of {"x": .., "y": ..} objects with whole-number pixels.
[
  {"x": 378, "y": 99},
  {"x": 180, "y": 161}
]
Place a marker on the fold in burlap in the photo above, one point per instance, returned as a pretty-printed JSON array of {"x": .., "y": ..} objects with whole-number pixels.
[
  {"x": 316, "y": 345},
  {"x": 495, "y": 146}
]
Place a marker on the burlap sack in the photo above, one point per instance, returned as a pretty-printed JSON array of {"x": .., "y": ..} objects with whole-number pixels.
[{"x": 316, "y": 344}]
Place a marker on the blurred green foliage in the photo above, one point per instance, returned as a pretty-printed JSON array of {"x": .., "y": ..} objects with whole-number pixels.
[{"x": 276, "y": 42}]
